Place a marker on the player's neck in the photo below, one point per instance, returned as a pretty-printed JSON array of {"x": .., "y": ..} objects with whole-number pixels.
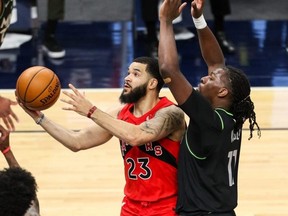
[{"x": 144, "y": 105}]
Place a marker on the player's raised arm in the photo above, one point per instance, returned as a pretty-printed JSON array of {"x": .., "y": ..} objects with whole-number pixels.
[
  {"x": 6, "y": 149},
  {"x": 210, "y": 49},
  {"x": 168, "y": 56},
  {"x": 6, "y": 112}
]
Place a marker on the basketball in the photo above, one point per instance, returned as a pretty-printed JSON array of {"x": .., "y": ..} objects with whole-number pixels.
[{"x": 38, "y": 88}]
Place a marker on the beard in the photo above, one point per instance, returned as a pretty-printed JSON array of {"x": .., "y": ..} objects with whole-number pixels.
[{"x": 135, "y": 95}]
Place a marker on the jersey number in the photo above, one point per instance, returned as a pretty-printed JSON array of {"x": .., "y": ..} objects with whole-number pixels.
[
  {"x": 145, "y": 172},
  {"x": 232, "y": 155}
]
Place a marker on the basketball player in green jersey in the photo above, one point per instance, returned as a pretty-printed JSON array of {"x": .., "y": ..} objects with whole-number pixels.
[
  {"x": 6, "y": 113},
  {"x": 6, "y": 7},
  {"x": 210, "y": 150}
]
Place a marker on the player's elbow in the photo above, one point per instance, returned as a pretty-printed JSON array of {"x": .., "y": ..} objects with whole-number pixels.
[
  {"x": 76, "y": 144},
  {"x": 166, "y": 70},
  {"x": 75, "y": 147}
]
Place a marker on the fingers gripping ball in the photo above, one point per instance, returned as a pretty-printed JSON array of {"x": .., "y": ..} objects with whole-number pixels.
[{"x": 38, "y": 88}]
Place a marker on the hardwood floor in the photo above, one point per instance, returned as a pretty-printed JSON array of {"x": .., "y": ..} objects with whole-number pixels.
[{"x": 91, "y": 182}]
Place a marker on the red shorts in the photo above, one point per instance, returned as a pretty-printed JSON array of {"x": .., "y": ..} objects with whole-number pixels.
[{"x": 138, "y": 208}]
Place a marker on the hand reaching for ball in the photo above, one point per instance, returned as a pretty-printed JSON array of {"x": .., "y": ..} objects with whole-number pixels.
[{"x": 7, "y": 114}]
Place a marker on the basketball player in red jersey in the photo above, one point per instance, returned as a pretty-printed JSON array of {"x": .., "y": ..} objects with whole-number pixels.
[
  {"x": 150, "y": 129},
  {"x": 6, "y": 113}
]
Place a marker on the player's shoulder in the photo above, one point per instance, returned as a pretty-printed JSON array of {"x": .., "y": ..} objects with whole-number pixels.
[
  {"x": 171, "y": 111},
  {"x": 176, "y": 109},
  {"x": 175, "y": 117}
]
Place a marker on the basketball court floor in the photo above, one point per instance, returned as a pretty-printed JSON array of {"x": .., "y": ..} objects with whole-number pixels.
[{"x": 97, "y": 57}]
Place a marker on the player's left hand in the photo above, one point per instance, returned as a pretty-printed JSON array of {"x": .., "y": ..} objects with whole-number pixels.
[{"x": 77, "y": 101}]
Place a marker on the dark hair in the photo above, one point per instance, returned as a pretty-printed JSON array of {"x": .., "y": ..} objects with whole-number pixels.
[
  {"x": 152, "y": 68},
  {"x": 17, "y": 191},
  {"x": 242, "y": 106}
]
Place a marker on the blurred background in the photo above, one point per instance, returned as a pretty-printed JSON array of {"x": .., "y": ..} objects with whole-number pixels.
[
  {"x": 100, "y": 39},
  {"x": 90, "y": 43}
]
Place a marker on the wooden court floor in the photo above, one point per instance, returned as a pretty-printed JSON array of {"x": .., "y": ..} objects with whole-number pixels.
[{"x": 91, "y": 182}]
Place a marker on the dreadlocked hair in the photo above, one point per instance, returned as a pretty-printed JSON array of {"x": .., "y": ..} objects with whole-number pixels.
[{"x": 242, "y": 106}]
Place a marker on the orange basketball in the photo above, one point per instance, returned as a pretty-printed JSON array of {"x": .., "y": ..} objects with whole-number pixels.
[{"x": 38, "y": 88}]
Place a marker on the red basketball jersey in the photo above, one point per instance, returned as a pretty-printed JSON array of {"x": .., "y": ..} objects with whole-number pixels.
[{"x": 150, "y": 169}]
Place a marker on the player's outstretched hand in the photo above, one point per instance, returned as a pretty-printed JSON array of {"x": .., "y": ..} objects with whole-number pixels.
[
  {"x": 171, "y": 9},
  {"x": 77, "y": 101},
  {"x": 7, "y": 114}
]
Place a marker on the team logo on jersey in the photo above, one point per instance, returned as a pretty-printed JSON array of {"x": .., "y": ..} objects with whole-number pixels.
[
  {"x": 156, "y": 148},
  {"x": 148, "y": 147},
  {"x": 235, "y": 136},
  {"x": 125, "y": 147}
]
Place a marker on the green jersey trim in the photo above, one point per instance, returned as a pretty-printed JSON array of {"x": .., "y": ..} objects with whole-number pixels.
[
  {"x": 186, "y": 140},
  {"x": 222, "y": 127},
  {"x": 222, "y": 124}
]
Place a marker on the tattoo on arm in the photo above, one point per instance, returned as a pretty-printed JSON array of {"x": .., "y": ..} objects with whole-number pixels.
[{"x": 166, "y": 121}]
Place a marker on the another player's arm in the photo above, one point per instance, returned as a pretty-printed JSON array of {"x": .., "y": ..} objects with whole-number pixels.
[
  {"x": 5, "y": 148},
  {"x": 210, "y": 48},
  {"x": 11, "y": 160},
  {"x": 168, "y": 122},
  {"x": 168, "y": 56}
]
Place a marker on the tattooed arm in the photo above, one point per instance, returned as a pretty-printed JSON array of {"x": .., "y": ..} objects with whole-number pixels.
[{"x": 167, "y": 122}]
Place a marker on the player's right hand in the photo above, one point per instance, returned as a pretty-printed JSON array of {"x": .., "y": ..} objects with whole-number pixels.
[
  {"x": 197, "y": 8},
  {"x": 33, "y": 113}
]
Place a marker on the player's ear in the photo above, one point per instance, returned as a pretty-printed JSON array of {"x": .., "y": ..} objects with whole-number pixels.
[
  {"x": 223, "y": 92},
  {"x": 153, "y": 83}
]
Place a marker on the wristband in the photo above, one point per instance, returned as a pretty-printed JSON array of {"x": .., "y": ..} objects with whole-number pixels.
[
  {"x": 40, "y": 119},
  {"x": 6, "y": 150},
  {"x": 199, "y": 22},
  {"x": 91, "y": 111}
]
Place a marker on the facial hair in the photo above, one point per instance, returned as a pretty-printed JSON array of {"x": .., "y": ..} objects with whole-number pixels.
[{"x": 135, "y": 95}]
